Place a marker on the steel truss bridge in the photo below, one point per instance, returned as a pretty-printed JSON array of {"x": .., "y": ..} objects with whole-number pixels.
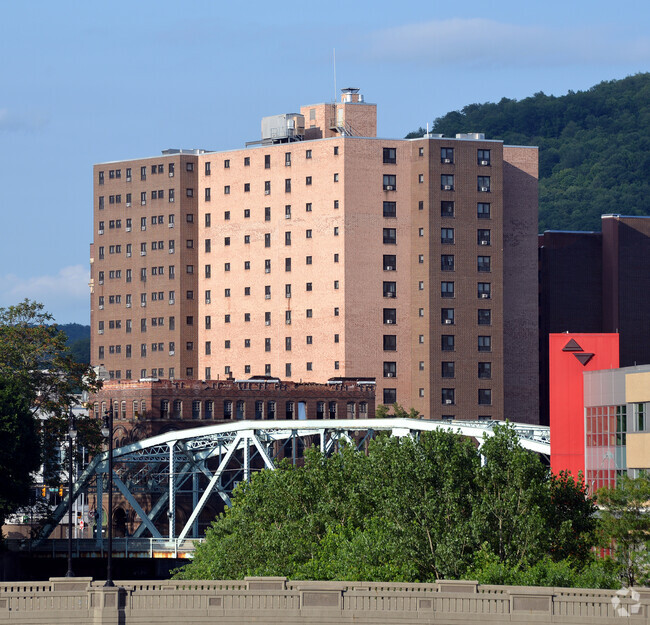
[{"x": 211, "y": 460}]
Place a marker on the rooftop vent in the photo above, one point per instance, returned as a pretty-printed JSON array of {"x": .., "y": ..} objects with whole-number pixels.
[{"x": 474, "y": 136}]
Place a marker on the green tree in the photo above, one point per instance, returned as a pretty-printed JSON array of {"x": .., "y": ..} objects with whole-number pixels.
[
  {"x": 20, "y": 449},
  {"x": 626, "y": 527},
  {"x": 34, "y": 359}
]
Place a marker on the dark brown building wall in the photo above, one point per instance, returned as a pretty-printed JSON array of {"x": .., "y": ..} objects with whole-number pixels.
[
  {"x": 520, "y": 306},
  {"x": 626, "y": 284}
]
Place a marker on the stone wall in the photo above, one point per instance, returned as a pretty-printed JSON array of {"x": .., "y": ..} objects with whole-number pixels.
[{"x": 275, "y": 600}]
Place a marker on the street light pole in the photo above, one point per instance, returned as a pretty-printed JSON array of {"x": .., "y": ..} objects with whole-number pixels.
[
  {"x": 72, "y": 434},
  {"x": 107, "y": 433}
]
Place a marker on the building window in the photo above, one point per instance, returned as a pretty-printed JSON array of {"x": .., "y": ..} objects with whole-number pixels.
[
  {"x": 390, "y": 369},
  {"x": 447, "y": 236},
  {"x": 484, "y": 343},
  {"x": 446, "y": 289},
  {"x": 448, "y": 369},
  {"x": 421, "y": 178},
  {"x": 390, "y": 183},
  {"x": 446, "y": 209},
  {"x": 447, "y": 262},
  {"x": 336, "y": 203},
  {"x": 447, "y": 316},
  {"x": 267, "y": 345},
  {"x": 483, "y": 264},
  {"x": 447, "y": 342},
  {"x": 336, "y": 177},
  {"x": 485, "y": 370},
  {"x": 483, "y": 210},
  {"x": 483, "y": 237},
  {"x": 390, "y": 155},
  {"x": 247, "y": 187},
  {"x": 484, "y": 397},
  {"x": 390, "y": 289},
  {"x": 390, "y": 316},
  {"x": 483, "y": 183},
  {"x": 287, "y": 238},
  {"x": 287, "y": 185},
  {"x": 390, "y": 236},
  {"x": 484, "y": 317},
  {"x": 287, "y": 343},
  {"x": 390, "y": 342},
  {"x": 390, "y": 262},
  {"x": 267, "y": 265},
  {"x": 207, "y": 194},
  {"x": 448, "y": 396},
  {"x": 308, "y": 286},
  {"x": 447, "y": 155},
  {"x": 447, "y": 182},
  {"x": 390, "y": 396},
  {"x": 309, "y": 313},
  {"x": 287, "y": 291},
  {"x": 484, "y": 290},
  {"x": 226, "y": 190},
  {"x": 247, "y": 161},
  {"x": 308, "y": 180},
  {"x": 483, "y": 157},
  {"x": 308, "y": 234}
]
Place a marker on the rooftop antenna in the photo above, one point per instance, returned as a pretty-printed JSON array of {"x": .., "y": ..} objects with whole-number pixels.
[{"x": 334, "y": 57}]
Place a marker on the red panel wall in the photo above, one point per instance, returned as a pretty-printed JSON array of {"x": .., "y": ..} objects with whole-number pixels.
[{"x": 566, "y": 396}]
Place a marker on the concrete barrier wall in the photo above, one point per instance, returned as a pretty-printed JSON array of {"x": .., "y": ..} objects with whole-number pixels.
[{"x": 275, "y": 600}]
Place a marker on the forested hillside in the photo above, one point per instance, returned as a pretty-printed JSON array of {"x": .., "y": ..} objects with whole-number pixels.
[
  {"x": 594, "y": 148},
  {"x": 78, "y": 340}
]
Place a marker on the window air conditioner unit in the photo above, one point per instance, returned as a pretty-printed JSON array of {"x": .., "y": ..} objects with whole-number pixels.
[
  {"x": 100, "y": 331},
  {"x": 128, "y": 254},
  {"x": 171, "y": 199},
  {"x": 143, "y": 253},
  {"x": 208, "y": 300},
  {"x": 101, "y": 282},
  {"x": 485, "y": 162},
  {"x": 447, "y": 187},
  {"x": 100, "y": 232},
  {"x": 128, "y": 228},
  {"x": 447, "y": 401},
  {"x": 171, "y": 174},
  {"x": 389, "y": 321},
  {"x": 390, "y": 374},
  {"x": 128, "y": 305},
  {"x": 267, "y": 191},
  {"x": 143, "y": 202},
  {"x": 485, "y": 242},
  {"x": 101, "y": 307},
  {"x": 128, "y": 204},
  {"x": 390, "y": 187},
  {"x": 389, "y": 268},
  {"x": 143, "y": 228},
  {"x": 143, "y": 304},
  {"x": 447, "y": 160},
  {"x": 171, "y": 225},
  {"x": 172, "y": 352},
  {"x": 128, "y": 179},
  {"x": 172, "y": 302},
  {"x": 171, "y": 250},
  {"x": 448, "y": 321},
  {"x": 485, "y": 189},
  {"x": 267, "y": 323},
  {"x": 485, "y": 295}
]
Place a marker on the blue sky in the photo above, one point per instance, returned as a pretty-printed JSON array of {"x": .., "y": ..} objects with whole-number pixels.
[{"x": 86, "y": 82}]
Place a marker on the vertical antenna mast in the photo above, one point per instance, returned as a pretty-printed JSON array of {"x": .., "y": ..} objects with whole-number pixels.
[{"x": 334, "y": 57}]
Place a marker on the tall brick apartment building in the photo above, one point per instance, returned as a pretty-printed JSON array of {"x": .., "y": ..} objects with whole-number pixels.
[{"x": 337, "y": 254}]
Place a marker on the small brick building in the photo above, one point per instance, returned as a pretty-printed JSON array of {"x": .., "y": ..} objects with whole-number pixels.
[{"x": 149, "y": 407}]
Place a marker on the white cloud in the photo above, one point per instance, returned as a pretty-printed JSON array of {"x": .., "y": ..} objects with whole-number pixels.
[
  {"x": 65, "y": 294},
  {"x": 482, "y": 43}
]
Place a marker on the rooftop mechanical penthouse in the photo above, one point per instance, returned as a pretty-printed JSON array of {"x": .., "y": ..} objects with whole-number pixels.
[{"x": 320, "y": 251}]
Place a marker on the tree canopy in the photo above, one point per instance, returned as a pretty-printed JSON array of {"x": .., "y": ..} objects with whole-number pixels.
[
  {"x": 594, "y": 147},
  {"x": 409, "y": 510},
  {"x": 37, "y": 375}
]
